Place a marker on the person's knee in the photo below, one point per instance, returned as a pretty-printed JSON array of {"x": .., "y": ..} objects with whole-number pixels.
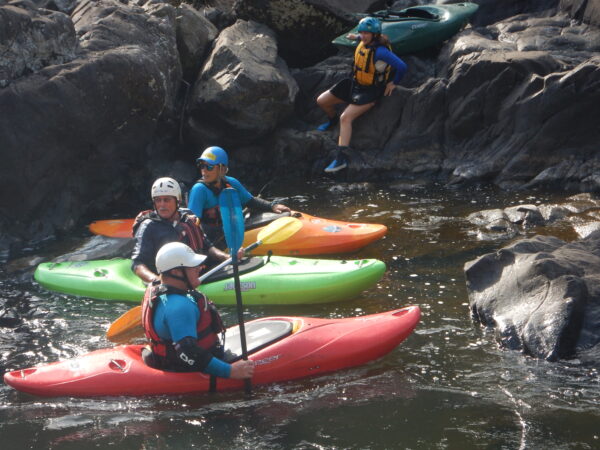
[
  {"x": 323, "y": 99},
  {"x": 346, "y": 119}
]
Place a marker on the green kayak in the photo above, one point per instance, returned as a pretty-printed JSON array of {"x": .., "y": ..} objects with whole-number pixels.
[
  {"x": 264, "y": 281},
  {"x": 419, "y": 27}
]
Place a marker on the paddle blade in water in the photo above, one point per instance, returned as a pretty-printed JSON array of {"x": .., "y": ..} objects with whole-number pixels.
[
  {"x": 127, "y": 327},
  {"x": 279, "y": 230},
  {"x": 233, "y": 219}
]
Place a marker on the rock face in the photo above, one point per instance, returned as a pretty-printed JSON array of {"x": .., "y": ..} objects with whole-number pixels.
[
  {"x": 244, "y": 90},
  {"x": 499, "y": 98},
  {"x": 305, "y": 28},
  {"x": 541, "y": 296},
  {"x": 195, "y": 34},
  {"x": 31, "y": 39},
  {"x": 73, "y": 133},
  {"x": 90, "y": 102}
]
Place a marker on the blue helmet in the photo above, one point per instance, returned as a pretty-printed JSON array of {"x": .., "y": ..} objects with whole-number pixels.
[
  {"x": 213, "y": 155},
  {"x": 370, "y": 24}
]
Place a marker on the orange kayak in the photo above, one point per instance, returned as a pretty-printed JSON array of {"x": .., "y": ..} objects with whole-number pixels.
[
  {"x": 320, "y": 237},
  {"x": 317, "y": 236},
  {"x": 115, "y": 228}
]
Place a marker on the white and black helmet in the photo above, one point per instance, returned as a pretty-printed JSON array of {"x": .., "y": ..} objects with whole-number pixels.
[
  {"x": 166, "y": 186},
  {"x": 176, "y": 254}
]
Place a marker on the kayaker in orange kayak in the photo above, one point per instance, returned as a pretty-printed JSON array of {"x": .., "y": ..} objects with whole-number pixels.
[
  {"x": 168, "y": 223},
  {"x": 373, "y": 61},
  {"x": 183, "y": 326},
  {"x": 204, "y": 196}
]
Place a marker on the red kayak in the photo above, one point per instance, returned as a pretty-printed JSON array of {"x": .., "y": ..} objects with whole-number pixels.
[
  {"x": 284, "y": 348},
  {"x": 316, "y": 237}
]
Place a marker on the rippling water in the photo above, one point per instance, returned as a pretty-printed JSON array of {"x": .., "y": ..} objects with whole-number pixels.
[{"x": 447, "y": 386}]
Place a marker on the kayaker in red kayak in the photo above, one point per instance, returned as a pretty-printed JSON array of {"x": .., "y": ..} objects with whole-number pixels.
[
  {"x": 204, "y": 196},
  {"x": 183, "y": 326},
  {"x": 168, "y": 223},
  {"x": 373, "y": 64}
]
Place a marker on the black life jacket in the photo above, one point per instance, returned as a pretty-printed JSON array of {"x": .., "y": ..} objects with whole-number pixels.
[
  {"x": 208, "y": 327},
  {"x": 188, "y": 228}
]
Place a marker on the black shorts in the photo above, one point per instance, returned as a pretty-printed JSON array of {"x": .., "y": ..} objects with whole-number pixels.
[{"x": 351, "y": 92}]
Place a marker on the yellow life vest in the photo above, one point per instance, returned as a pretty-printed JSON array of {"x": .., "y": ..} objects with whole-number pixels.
[{"x": 365, "y": 72}]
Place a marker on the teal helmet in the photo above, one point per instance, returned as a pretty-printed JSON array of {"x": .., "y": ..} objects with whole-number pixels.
[
  {"x": 213, "y": 155},
  {"x": 370, "y": 24}
]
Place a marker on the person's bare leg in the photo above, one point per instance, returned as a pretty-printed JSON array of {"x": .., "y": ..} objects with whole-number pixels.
[
  {"x": 327, "y": 102},
  {"x": 350, "y": 113}
]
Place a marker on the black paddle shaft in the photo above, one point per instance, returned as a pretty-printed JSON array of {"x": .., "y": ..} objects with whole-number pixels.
[{"x": 238, "y": 299}]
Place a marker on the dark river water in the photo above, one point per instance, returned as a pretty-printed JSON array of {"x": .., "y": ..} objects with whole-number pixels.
[{"x": 448, "y": 386}]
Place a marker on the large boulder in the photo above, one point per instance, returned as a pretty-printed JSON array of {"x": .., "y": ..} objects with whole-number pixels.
[
  {"x": 195, "y": 35},
  {"x": 541, "y": 296},
  {"x": 305, "y": 28},
  {"x": 74, "y": 134},
  {"x": 31, "y": 39},
  {"x": 244, "y": 90}
]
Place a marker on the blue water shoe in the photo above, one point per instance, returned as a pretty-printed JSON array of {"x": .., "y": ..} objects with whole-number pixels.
[
  {"x": 339, "y": 163},
  {"x": 327, "y": 125}
]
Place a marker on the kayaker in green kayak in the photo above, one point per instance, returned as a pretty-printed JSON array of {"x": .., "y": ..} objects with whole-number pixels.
[
  {"x": 168, "y": 223},
  {"x": 183, "y": 326},
  {"x": 204, "y": 196},
  {"x": 372, "y": 69}
]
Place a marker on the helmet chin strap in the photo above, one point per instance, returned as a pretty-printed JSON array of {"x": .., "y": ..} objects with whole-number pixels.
[{"x": 183, "y": 278}]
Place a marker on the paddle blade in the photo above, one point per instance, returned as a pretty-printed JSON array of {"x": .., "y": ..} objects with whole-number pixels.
[
  {"x": 279, "y": 230},
  {"x": 127, "y": 327},
  {"x": 233, "y": 219}
]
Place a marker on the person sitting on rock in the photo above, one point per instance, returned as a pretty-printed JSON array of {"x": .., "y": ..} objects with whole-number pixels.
[
  {"x": 204, "y": 195},
  {"x": 183, "y": 326},
  {"x": 168, "y": 223},
  {"x": 373, "y": 64}
]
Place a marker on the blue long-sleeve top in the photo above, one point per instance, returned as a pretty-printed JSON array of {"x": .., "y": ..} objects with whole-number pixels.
[
  {"x": 382, "y": 53},
  {"x": 175, "y": 318}
]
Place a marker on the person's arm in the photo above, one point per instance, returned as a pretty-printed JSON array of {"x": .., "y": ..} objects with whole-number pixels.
[
  {"x": 142, "y": 271},
  {"x": 181, "y": 317},
  {"x": 247, "y": 199},
  {"x": 264, "y": 205},
  {"x": 142, "y": 253},
  {"x": 197, "y": 199},
  {"x": 399, "y": 67}
]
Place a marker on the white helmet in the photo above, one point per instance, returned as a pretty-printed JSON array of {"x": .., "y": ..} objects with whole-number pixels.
[
  {"x": 177, "y": 254},
  {"x": 166, "y": 186}
]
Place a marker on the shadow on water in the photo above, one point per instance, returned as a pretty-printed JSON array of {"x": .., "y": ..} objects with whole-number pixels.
[{"x": 446, "y": 386}]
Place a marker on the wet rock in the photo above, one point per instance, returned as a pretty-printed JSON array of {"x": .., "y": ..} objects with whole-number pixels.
[
  {"x": 244, "y": 91},
  {"x": 99, "y": 247},
  {"x": 493, "y": 224},
  {"x": 525, "y": 215},
  {"x": 540, "y": 295},
  {"x": 9, "y": 318},
  {"x": 582, "y": 211}
]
